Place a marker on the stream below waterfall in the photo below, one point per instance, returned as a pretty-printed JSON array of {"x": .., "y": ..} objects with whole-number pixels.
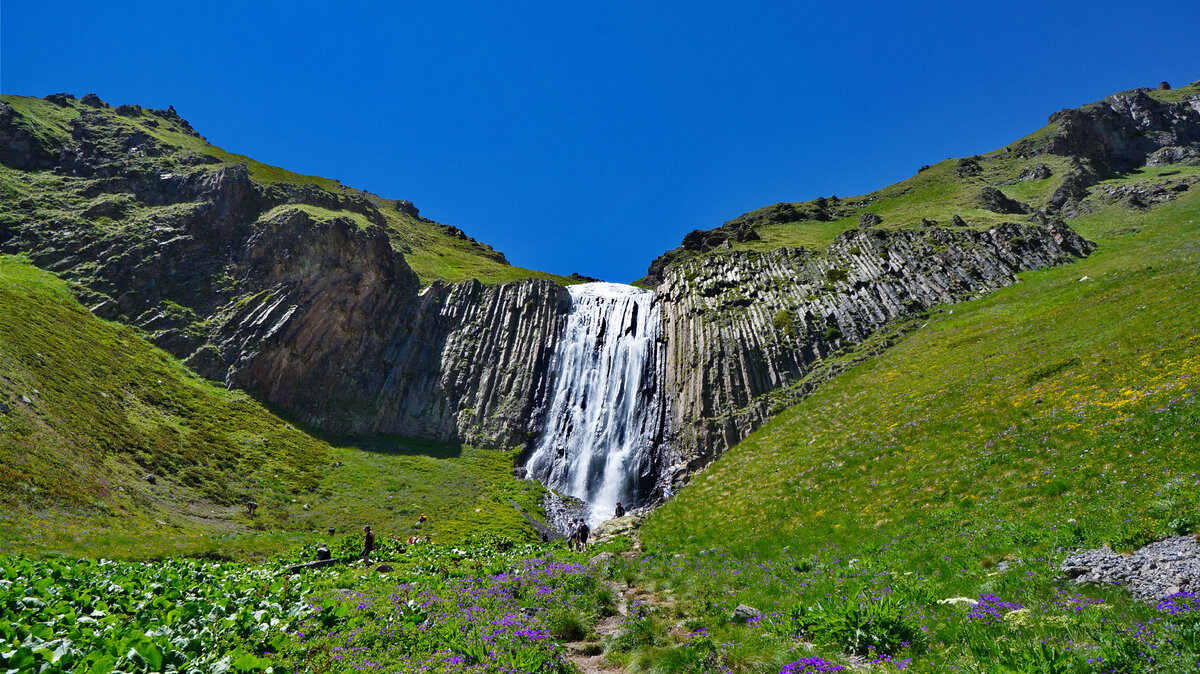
[{"x": 605, "y": 424}]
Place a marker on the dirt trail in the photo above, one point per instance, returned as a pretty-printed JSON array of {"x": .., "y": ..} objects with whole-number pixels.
[{"x": 588, "y": 655}]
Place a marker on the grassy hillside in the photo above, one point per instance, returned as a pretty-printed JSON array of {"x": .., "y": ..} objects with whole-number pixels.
[
  {"x": 937, "y": 193},
  {"x": 1055, "y": 414},
  {"x": 88, "y": 409},
  {"x": 435, "y": 251}
]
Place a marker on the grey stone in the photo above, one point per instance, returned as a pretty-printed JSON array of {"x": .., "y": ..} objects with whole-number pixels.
[
  {"x": 1142, "y": 572},
  {"x": 743, "y": 613},
  {"x": 869, "y": 220},
  {"x": 384, "y": 568},
  {"x": 151, "y": 478},
  {"x": 602, "y": 559}
]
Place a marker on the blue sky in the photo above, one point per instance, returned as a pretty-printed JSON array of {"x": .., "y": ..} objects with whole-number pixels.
[{"x": 590, "y": 137}]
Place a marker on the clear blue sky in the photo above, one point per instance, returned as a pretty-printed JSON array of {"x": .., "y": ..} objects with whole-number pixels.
[{"x": 591, "y": 137}]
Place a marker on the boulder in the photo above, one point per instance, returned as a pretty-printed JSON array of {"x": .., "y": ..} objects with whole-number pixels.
[
  {"x": 384, "y": 568},
  {"x": 996, "y": 201},
  {"x": 1038, "y": 171},
  {"x": 151, "y": 478},
  {"x": 92, "y": 101},
  {"x": 743, "y": 613},
  {"x": 602, "y": 559},
  {"x": 867, "y": 220}
]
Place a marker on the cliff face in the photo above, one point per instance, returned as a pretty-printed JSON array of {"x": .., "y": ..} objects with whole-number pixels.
[
  {"x": 744, "y": 329},
  {"x": 288, "y": 291}
]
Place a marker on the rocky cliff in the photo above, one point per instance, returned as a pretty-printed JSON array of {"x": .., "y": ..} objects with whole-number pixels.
[
  {"x": 290, "y": 291},
  {"x": 745, "y": 329}
]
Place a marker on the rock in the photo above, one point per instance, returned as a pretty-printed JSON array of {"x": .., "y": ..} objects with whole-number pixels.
[
  {"x": 617, "y": 526},
  {"x": 26, "y": 399},
  {"x": 996, "y": 201},
  {"x": 1163, "y": 86},
  {"x": 1038, "y": 171},
  {"x": 320, "y": 564},
  {"x": 61, "y": 100},
  {"x": 151, "y": 478},
  {"x": 868, "y": 219},
  {"x": 92, "y": 101},
  {"x": 969, "y": 166},
  {"x": 1155, "y": 571},
  {"x": 716, "y": 309},
  {"x": 956, "y": 221},
  {"x": 602, "y": 559},
  {"x": 128, "y": 110},
  {"x": 384, "y": 568},
  {"x": 744, "y": 613}
]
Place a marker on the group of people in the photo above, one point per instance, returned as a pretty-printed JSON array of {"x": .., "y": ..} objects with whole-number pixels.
[{"x": 577, "y": 535}]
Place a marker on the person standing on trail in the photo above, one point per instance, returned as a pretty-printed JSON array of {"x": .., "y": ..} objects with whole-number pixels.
[
  {"x": 583, "y": 532},
  {"x": 571, "y": 535},
  {"x": 368, "y": 545},
  {"x": 251, "y": 507}
]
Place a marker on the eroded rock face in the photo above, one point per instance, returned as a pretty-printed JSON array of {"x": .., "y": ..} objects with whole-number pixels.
[
  {"x": 1124, "y": 129},
  {"x": 322, "y": 317},
  {"x": 746, "y": 331}
]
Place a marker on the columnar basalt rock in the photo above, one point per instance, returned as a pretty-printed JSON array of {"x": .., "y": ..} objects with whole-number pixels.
[
  {"x": 744, "y": 329},
  {"x": 321, "y": 316}
]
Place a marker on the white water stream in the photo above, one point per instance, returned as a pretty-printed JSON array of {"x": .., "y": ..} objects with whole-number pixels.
[{"x": 606, "y": 418}]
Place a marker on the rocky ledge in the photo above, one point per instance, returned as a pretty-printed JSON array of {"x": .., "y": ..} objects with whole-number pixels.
[{"x": 747, "y": 331}]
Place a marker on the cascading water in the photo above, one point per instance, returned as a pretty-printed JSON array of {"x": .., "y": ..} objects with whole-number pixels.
[{"x": 606, "y": 420}]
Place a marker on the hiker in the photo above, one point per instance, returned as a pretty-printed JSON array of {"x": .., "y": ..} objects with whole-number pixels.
[
  {"x": 251, "y": 507},
  {"x": 422, "y": 519},
  {"x": 620, "y": 510},
  {"x": 584, "y": 530},
  {"x": 368, "y": 545},
  {"x": 323, "y": 553},
  {"x": 571, "y": 535}
]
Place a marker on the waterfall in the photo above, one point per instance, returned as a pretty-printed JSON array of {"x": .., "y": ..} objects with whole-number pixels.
[{"x": 606, "y": 419}]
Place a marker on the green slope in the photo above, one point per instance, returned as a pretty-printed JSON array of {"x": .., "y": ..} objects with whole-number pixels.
[
  {"x": 433, "y": 250},
  {"x": 1054, "y": 414},
  {"x": 937, "y": 192},
  {"x": 88, "y": 408}
]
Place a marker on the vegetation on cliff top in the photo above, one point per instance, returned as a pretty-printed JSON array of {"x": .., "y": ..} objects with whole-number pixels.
[
  {"x": 434, "y": 251},
  {"x": 935, "y": 194}
]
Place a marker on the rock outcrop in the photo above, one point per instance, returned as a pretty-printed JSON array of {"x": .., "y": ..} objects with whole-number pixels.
[
  {"x": 1124, "y": 129},
  {"x": 1158, "y": 570},
  {"x": 746, "y": 331},
  {"x": 251, "y": 283}
]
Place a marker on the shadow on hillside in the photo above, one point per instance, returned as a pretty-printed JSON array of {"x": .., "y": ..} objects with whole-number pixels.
[{"x": 396, "y": 445}]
